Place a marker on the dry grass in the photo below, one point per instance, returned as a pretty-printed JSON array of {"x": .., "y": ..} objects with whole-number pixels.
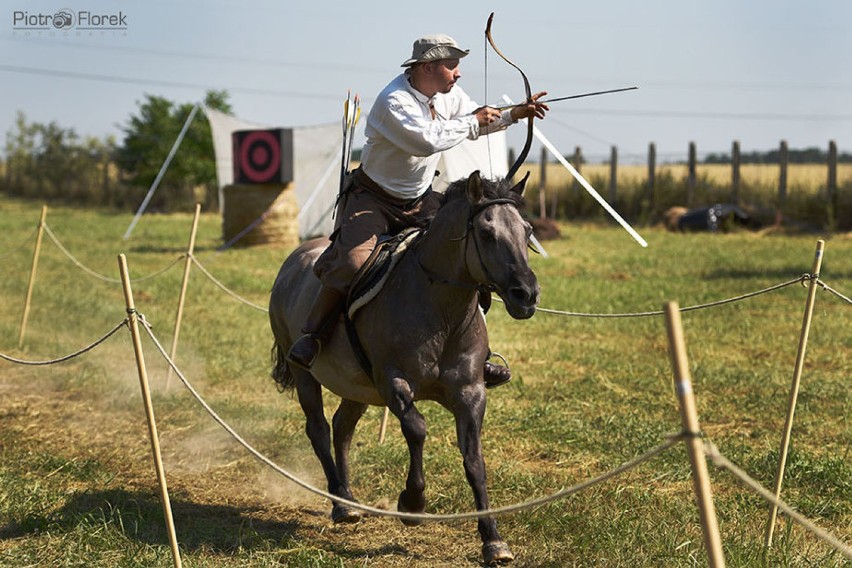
[{"x": 812, "y": 176}]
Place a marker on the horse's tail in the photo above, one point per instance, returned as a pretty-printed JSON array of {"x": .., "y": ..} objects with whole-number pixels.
[{"x": 280, "y": 370}]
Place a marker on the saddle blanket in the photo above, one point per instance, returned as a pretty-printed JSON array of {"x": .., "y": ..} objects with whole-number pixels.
[{"x": 370, "y": 279}]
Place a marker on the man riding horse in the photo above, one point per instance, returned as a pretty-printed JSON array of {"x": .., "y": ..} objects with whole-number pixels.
[{"x": 418, "y": 115}]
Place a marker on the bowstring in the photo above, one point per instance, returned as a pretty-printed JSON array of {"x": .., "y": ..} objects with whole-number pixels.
[{"x": 485, "y": 95}]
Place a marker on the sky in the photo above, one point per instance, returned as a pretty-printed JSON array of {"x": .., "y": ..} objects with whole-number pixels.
[{"x": 708, "y": 72}]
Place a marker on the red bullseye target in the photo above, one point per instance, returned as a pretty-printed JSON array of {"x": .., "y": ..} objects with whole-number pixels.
[{"x": 260, "y": 156}]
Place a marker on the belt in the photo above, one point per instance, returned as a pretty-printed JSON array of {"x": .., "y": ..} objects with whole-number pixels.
[{"x": 363, "y": 180}]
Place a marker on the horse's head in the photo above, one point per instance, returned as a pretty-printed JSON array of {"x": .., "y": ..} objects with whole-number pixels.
[{"x": 496, "y": 251}]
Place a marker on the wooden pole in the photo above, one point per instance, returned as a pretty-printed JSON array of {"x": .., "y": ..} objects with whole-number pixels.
[
  {"x": 31, "y": 284},
  {"x": 652, "y": 168},
  {"x": 735, "y": 172},
  {"x": 783, "y": 157},
  {"x": 542, "y": 202},
  {"x": 384, "y": 425},
  {"x": 182, "y": 298},
  {"x": 794, "y": 389},
  {"x": 831, "y": 183},
  {"x": 149, "y": 409},
  {"x": 691, "y": 176},
  {"x": 577, "y": 162},
  {"x": 613, "y": 174},
  {"x": 689, "y": 423}
]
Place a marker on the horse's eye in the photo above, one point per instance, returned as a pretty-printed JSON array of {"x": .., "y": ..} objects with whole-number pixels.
[{"x": 488, "y": 233}]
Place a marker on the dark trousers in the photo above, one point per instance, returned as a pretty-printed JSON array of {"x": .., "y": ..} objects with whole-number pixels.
[{"x": 366, "y": 213}]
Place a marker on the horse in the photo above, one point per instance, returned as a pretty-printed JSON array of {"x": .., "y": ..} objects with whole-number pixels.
[{"x": 424, "y": 336}]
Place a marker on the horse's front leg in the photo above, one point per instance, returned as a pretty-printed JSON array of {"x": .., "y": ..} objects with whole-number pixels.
[
  {"x": 401, "y": 404},
  {"x": 343, "y": 427},
  {"x": 469, "y": 411}
]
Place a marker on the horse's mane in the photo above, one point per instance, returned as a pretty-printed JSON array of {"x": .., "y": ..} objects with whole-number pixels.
[{"x": 501, "y": 189}]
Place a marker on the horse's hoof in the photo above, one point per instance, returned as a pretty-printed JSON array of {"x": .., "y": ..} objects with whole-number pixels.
[
  {"x": 400, "y": 506},
  {"x": 344, "y": 514},
  {"x": 496, "y": 552}
]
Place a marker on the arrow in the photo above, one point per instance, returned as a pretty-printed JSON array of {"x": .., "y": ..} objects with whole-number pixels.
[
  {"x": 574, "y": 97},
  {"x": 586, "y": 185}
]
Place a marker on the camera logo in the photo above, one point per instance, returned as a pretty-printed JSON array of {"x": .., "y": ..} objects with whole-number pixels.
[{"x": 63, "y": 19}]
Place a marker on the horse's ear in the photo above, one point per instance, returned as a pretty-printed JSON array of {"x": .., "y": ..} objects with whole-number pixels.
[
  {"x": 474, "y": 187},
  {"x": 519, "y": 187}
]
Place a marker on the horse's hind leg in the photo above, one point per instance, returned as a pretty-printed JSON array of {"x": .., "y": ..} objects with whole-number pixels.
[
  {"x": 318, "y": 431},
  {"x": 469, "y": 412},
  {"x": 343, "y": 427},
  {"x": 401, "y": 403}
]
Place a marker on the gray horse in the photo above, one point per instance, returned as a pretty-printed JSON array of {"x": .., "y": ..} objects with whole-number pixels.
[{"x": 424, "y": 336}]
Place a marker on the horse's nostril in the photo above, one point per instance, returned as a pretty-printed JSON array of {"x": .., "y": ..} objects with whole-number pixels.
[{"x": 519, "y": 295}]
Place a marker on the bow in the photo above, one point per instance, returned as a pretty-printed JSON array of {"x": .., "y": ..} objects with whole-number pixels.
[{"x": 528, "y": 144}]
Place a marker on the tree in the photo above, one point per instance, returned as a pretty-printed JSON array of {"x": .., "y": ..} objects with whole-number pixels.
[
  {"x": 148, "y": 138},
  {"x": 47, "y": 161}
]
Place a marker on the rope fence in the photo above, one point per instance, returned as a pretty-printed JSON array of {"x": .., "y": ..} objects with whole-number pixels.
[
  {"x": 711, "y": 451},
  {"x": 15, "y": 248},
  {"x": 803, "y": 279},
  {"x": 828, "y": 288},
  {"x": 225, "y": 289},
  {"x": 98, "y": 275},
  {"x": 721, "y": 461},
  {"x": 85, "y": 349},
  {"x": 635, "y": 462},
  {"x": 699, "y": 452}
]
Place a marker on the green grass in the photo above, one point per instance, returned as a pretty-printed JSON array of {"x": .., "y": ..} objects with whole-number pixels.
[{"x": 77, "y": 487}]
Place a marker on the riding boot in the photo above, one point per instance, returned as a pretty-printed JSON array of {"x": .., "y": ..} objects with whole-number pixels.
[
  {"x": 496, "y": 375},
  {"x": 318, "y": 328}
]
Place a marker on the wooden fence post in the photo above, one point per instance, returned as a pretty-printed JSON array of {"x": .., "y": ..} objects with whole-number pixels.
[
  {"x": 652, "y": 168},
  {"x": 691, "y": 177},
  {"x": 735, "y": 172},
  {"x": 149, "y": 409},
  {"x": 577, "y": 162},
  {"x": 783, "y": 158},
  {"x": 613, "y": 174},
  {"x": 831, "y": 186},
  {"x": 182, "y": 297},
  {"x": 542, "y": 201},
  {"x": 689, "y": 423},
  {"x": 794, "y": 389},
  {"x": 31, "y": 283}
]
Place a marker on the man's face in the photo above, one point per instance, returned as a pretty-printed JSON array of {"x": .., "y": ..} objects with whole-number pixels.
[{"x": 445, "y": 74}]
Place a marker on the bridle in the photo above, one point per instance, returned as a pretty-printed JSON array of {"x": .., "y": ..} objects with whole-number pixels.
[{"x": 483, "y": 288}]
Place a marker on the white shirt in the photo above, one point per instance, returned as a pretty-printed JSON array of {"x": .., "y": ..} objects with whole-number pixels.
[{"x": 404, "y": 141}]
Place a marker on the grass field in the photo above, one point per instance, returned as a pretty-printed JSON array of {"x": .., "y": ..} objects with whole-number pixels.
[{"x": 77, "y": 485}]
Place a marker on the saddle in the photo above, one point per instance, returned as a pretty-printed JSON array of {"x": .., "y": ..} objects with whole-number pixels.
[
  {"x": 368, "y": 282},
  {"x": 371, "y": 277}
]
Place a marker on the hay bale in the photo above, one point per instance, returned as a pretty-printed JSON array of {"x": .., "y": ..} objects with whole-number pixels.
[
  {"x": 265, "y": 213},
  {"x": 672, "y": 216},
  {"x": 545, "y": 229}
]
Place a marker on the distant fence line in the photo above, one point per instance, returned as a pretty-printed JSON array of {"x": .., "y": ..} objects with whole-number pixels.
[{"x": 655, "y": 196}]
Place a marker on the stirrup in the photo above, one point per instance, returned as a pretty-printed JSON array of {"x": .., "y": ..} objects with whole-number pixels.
[
  {"x": 305, "y": 365},
  {"x": 504, "y": 372}
]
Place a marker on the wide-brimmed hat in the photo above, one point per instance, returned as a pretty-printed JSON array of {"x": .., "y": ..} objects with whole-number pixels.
[{"x": 434, "y": 48}]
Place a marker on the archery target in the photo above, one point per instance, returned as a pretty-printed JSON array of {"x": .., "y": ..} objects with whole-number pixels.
[{"x": 260, "y": 156}]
